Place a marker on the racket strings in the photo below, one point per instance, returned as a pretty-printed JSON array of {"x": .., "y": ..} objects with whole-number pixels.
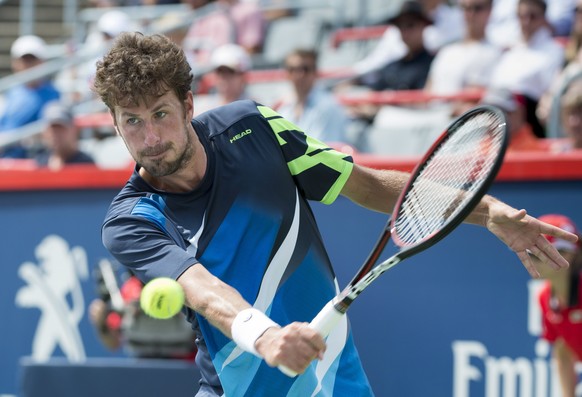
[{"x": 450, "y": 178}]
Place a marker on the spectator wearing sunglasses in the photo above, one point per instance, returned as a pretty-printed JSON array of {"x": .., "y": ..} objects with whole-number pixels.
[{"x": 309, "y": 105}]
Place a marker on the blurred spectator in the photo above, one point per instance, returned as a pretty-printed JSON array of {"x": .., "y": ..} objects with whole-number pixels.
[
  {"x": 125, "y": 3},
  {"x": 104, "y": 3},
  {"x": 129, "y": 328},
  {"x": 548, "y": 110},
  {"x": 60, "y": 139},
  {"x": 521, "y": 136},
  {"x": 571, "y": 113},
  {"x": 174, "y": 23},
  {"x": 530, "y": 66},
  {"x": 410, "y": 71},
  {"x": 109, "y": 25},
  {"x": 574, "y": 42},
  {"x": 447, "y": 27},
  {"x": 150, "y": 2},
  {"x": 560, "y": 302},
  {"x": 232, "y": 21},
  {"x": 275, "y": 9},
  {"x": 469, "y": 62},
  {"x": 76, "y": 82},
  {"x": 23, "y": 104},
  {"x": 504, "y": 30},
  {"x": 230, "y": 64},
  {"x": 310, "y": 106}
]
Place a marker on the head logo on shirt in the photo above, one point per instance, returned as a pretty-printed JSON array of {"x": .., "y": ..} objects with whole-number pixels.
[{"x": 240, "y": 135}]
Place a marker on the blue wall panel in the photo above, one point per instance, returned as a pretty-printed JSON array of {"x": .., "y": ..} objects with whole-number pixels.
[{"x": 452, "y": 321}]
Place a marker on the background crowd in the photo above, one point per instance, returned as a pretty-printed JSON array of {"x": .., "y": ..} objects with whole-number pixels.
[{"x": 521, "y": 55}]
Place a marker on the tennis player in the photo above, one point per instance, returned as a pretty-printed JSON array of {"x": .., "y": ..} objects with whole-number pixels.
[
  {"x": 561, "y": 305},
  {"x": 220, "y": 203}
]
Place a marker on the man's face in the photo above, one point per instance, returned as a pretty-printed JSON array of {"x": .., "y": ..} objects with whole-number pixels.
[
  {"x": 157, "y": 133},
  {"x": 531, "y": 19},
  {"x": 476, "y": 14},
  {"x": 411, "y": 29},
  {"x": 230, "y": 83},
  {"x": 61, "y": 138},
  {"x": 301, "y": 72},
  {"x": 25, "y": 62}
]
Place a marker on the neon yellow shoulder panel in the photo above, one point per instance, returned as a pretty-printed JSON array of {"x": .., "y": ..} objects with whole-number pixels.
[{"x": 317, "y": 154}]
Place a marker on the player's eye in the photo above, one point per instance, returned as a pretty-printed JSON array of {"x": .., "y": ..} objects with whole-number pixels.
[
  {"x": 161, "y": 114},
  {"x": 132, "y": 121}
]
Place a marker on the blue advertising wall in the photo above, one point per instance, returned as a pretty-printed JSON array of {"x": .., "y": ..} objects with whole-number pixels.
[{"x": 456, "y": 320}]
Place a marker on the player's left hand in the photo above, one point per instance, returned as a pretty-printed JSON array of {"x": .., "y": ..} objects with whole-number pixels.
[{"x": 523, "y": 234}]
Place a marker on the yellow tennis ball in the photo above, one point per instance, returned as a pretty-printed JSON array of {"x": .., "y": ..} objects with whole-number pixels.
[{"x": 162, "y": 298}]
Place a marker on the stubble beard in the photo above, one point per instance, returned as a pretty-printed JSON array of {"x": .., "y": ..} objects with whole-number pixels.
[{"x": 163, "y": 167}]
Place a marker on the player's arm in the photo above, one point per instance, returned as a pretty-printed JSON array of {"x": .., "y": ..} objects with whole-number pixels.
[
  {"x": 293, "y": 346},
  {"x": 374, "y": 189},
  {"x": 522, "y": 233}
]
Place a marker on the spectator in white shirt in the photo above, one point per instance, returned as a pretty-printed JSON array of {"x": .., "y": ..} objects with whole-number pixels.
[
  {"x": 467, "y": 63},
  {"x": 311, "y": 107},
  {"x": 530, "y": 66},
  {"x": 504, "y": 28}
]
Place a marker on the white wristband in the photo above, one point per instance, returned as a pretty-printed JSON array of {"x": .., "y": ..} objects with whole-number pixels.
[{"x": 248, "y": 326}]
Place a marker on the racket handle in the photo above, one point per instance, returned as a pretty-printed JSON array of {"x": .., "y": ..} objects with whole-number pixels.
[
  {"x": 324, "y": 323},
  {"x": 326, "y": 319}
]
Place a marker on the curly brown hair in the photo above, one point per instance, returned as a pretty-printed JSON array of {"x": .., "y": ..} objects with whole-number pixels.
[{"x": 139, "y": 68}]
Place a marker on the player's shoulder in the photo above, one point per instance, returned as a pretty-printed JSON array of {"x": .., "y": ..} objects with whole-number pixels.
[
  {"x": 127, "y": 198},
  {"x": 222, "y": 118}
]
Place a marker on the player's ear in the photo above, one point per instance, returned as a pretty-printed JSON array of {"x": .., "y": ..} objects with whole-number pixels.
[
  {"x": 189, "y": 106},
  {"x": 112, "y": 114}
]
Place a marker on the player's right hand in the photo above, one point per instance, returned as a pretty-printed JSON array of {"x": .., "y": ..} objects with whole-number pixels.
[{"x": 294, "y": 346}]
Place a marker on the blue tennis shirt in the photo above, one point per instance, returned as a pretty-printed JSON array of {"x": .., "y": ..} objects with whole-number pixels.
[{"x": 249, "y": 223}]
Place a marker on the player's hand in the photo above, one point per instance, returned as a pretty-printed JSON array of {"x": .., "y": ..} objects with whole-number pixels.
[
  {"x": 294, "y": 346},
  {"x": 524, "y": 235}
]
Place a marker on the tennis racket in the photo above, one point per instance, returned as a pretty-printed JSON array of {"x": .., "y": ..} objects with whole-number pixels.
[{"x": 443, "y": 189}]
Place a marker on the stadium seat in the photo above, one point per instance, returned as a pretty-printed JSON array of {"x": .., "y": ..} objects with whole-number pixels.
[{"x": 406, "y": 131}]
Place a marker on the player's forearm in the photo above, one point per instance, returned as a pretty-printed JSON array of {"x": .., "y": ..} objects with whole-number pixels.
[
  {"x": 218, "y": 302},
  {"x": 374, "y": 189}
]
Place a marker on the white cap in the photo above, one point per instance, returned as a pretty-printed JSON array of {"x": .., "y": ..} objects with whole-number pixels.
[
  {"x": 114, "y": 22},
  {"x": 28, "y": 45},
  {"x": 232, "y": 56}
]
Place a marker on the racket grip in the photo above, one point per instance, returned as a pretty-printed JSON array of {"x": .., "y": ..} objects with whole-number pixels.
[
  {"x": 326, "y": 319},
  {"x": 324, "y": 323}
]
